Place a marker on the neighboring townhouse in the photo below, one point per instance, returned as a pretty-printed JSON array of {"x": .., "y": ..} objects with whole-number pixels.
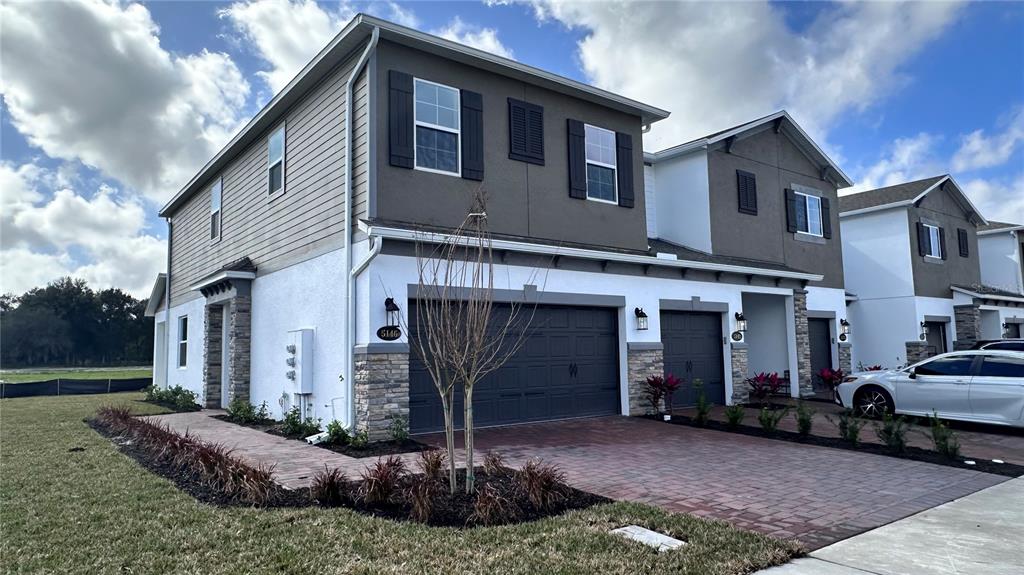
[
  {"x": 296, "y": 244},
  {"x": 765, "y": 192},
  {"x": 908, "y": 250},
  {"x": 1000, "y": 296}
]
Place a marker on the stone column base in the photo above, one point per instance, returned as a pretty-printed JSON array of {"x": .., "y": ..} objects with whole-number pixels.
[
  {"x": 643, "y": 360},
  {"x": 846, "y": 357},
  {"x": 916, "y": 351},
  {"x": 803, "y": 344},
  {"x": 968, "y": 326},
  {"x": 740, "y": 390},
  {"x": 381, "y": 392},
  {"x": 213, "y": 336}
]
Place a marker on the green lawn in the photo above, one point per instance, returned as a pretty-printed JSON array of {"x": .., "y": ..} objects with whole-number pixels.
[
  {"x": 97, "y": 511},
  {"x": 42, "y": 374}
]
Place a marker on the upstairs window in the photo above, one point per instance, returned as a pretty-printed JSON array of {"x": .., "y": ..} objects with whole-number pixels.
[
  {"x": 215, "y": 193},
  {"x": 438, "y": 127},
  {"x": 183, "y": 341},
  {"x": 275, "y": 171},
  {"x": 808, "y": 214},
  {"x": 933, "y": 246},
  {"x": 601, "y": 166}
]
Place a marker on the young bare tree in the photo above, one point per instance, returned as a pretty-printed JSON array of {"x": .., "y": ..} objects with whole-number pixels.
[{"x": 458, "y": 336}]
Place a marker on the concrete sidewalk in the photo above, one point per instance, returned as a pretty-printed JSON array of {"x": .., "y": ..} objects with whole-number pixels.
[{"x": 980, "y": 534}]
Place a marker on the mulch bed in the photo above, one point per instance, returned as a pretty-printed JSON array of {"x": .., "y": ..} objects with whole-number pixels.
[
  {"x": 375, "y": 449},
  {"x": 912, "y": 453},
  {"x": 171, "y": 406},
  {"x": 192, "y": 483}
]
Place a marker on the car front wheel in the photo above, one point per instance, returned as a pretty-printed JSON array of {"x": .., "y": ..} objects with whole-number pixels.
[{"x": 872, "y": 402}]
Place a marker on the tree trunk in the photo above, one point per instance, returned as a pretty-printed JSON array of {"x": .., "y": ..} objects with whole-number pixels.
[
  {"x": 470, "y": 475},
  {"x": 449, "y": 432}
]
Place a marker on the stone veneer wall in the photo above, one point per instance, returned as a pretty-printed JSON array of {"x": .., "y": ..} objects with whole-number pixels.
[
  {"x": 642, "y": 360},
  {"x": 845, "y": 357},
  {"x": 239, "y": 347},
  {"x": 381, "y": 392},
  {"x": 213, "y": 334},
  {"x": 968, "y": 325},
  {"x": 803, "y": 343},
  {"x": 738, "y": 359},
  {"x": 916, "y": 351}
]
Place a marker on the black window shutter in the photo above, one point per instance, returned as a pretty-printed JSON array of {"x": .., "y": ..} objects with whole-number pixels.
[
  {"x": 472, "y": 135},
  {"x": 790, "y": 211},
  {"x": 624, "y": 167},
  {"x": 746, "y": 185},
  {"x": 962, "y": 241},
  {"x": 942, "y": 243},
  {"x": 400, "y": 119},
  {"x": 922, "y": 240},
  {"x": 826, "y": 219},
  {"x": 577, "y": 160},
  {"x": 525, "y": 132}
]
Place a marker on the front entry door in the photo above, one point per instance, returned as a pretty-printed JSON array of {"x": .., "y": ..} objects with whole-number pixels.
[
  {"x": 693, "y": 350},
  {"x": 936, "y": 337},
  {"x": 820, "y": 334}
]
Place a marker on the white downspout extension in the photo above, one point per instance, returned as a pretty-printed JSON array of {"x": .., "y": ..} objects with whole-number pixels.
[{"x": 350, "y": 303}]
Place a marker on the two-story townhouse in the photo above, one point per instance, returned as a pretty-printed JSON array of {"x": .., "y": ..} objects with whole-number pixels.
[
  {"x": 288, "y": 253},
  {"x": 765, "y": 191},
  {"x": 1000, "y": 296},
  {"x": 907, "y": 249}
]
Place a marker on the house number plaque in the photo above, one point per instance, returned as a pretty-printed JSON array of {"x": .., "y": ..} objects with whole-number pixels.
[{"x": 389, "y": 332}]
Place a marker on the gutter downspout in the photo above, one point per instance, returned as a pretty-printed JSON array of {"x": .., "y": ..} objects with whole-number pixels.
[
  {"x": 350, "y": 303},
  {"x": 167, "y": 305}
]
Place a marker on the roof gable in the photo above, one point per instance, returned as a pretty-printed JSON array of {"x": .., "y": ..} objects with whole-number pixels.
[{"x": 908, "y": 194}]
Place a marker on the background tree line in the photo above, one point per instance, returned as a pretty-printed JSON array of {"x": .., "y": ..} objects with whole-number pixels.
[{"x": 68, "y": 324}]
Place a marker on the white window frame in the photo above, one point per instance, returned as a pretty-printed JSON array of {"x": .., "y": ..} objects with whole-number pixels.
[
  {"x": 182, "y": 339},
  {"x": 283, "y": 161},
  {"x": 934, "y": 241},
  {"x": 458, "y": 132},
  {"x": 217, "y": 192},
  {"x": 807, "y": 210},
  {"x": 614, "y": 167}
]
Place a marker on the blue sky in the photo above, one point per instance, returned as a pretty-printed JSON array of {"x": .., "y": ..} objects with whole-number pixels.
[{"x": 109, "y": 108}]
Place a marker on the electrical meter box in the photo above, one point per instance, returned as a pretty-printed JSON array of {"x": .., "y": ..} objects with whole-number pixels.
[{"x": 299, "y": 360}]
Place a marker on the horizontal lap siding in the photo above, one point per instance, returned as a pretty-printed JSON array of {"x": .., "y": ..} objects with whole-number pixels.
[
  {"x": 303, "y": 223},
  {"x": 361, "y": 148}
]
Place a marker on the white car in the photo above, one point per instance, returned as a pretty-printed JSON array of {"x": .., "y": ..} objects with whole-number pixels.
[{"x": 984, "y": 386}]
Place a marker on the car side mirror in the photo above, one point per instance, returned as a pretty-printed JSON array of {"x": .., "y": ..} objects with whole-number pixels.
[{"x": 912, "y": 374}]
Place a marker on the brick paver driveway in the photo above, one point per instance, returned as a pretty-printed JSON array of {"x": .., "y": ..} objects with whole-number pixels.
[{"x": 813, "y": 494}]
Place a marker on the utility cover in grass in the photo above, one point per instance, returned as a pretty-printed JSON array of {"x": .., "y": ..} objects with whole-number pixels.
[{"x": 647, "y": 537}]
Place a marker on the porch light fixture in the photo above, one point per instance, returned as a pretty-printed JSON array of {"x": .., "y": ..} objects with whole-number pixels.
[
  {"x": 392, "y": 310},
  {"x": 641, "y": 319},
  {"x": 924, "y": 331},
  {"x": 844, "y": 327},
  {"x": 741, "y": 322},
  {"x": 1006, "y": 329}
]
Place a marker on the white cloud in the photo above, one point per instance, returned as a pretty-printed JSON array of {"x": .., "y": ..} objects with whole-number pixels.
[
  {"x": 45, "y": 228},
  {"x": 721, "y": 63},
  {"x": 89, "y": 81},
  {"x": 999, "y": 199},
  {"x": 978, "y": 150},
  {"x": 906, "y": 160},
  {"x": 485, "y": 39}
]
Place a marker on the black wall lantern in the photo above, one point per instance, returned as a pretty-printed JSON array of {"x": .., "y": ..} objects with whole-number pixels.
[
  {"x": 844, "y": 327},
  {"x": 924, "y": 331},
  {"x": 641, "y": 319},
  {"x": 741, "y": 322},
  {"x": 392, "y": 310}
]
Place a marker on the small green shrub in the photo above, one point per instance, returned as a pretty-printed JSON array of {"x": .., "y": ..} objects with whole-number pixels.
[
  {"x": 177, "y": 398},
  {"x": 703, "y": 406},
  {"x": 337, "y": 434},
  {"x": 359, "y": 439},
  {"x": 734, "y": 415},
  {"x": 944, "y": 438},
  {"x": 294, "y": 426},
  {"x": 849, "y": 427},
  {"x": 399, "y": 428},
  {"x": 241, "y": 411},
  {"x": 804, "y": 418},
  {"x": 769, "y": 419},
  {"x": 893, "y": 432}
]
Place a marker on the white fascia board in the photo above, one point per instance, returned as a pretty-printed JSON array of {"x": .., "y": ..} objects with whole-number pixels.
[
  {"x": 960, "y": 192},
  {"x": 1000, "y": 230},
  {"x": 987, "y": 295},
  {"x": 676, "y": 151},
  {"x": 220, "y": 277},
  {"x": 156, "y": 295},
  {"x": 523, "y": 247},
  {"x": 876, "y": 209}
]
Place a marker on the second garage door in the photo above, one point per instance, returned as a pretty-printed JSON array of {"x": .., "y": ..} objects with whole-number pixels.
[
  {"x": 693, "y": 350},
  {"x": 568, "y": 367}
]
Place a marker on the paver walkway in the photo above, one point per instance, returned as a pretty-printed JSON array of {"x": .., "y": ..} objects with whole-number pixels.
[
  {"x": 295, "y": 462},
  {"x": 813, "y": 494}
]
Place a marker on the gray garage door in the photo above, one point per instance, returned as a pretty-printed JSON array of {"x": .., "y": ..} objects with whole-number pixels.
[
  {"x": 693, "y": 350},
  {"x": 568, "y": 367}
]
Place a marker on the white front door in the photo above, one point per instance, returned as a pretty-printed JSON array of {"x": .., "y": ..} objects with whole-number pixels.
[
  {"x": 940, "y": 385},
  {"x": 997, "y": 390},
  {"x": 224, "y": 357}
]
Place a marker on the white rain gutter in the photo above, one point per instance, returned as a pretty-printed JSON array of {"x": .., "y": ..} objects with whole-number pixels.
[
  {"x": 523, "y": 247},
  {"x": 350, "y": 273}
]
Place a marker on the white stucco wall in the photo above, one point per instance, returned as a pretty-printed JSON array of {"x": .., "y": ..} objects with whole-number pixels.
[
  {"x": 682, "y": 201},
  {"x": 305, "y": 295},
  {"x": 999, "y": 256},
  {"x": 766, "y": 321},
  {"x": 877, "y": 255},
  {"x": 650, "y": 199},
  {"x": 190, "y": 376},
  {"x": 881, "y": 328}
]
